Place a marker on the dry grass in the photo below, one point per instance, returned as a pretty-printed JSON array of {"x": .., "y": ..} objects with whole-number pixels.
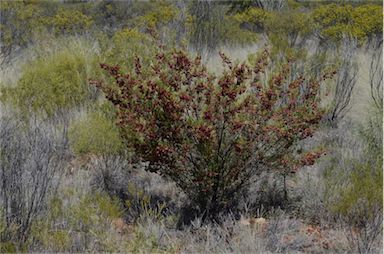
[
  {"x": 361, "y": 102},
  {"x": 156, "y": 232}
]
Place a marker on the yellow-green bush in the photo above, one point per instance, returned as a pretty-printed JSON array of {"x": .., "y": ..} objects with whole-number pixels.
[
  {"x": 335, "y": 21},
  {"x": 89, "y": 218},
  {"x": 95, "y": 134},
  {"x": 162, "y": 19},
  {"x": 361, "y": 191},
  {"x": 49, "y": 84},
  {"x": 112, "y": 15},
  {"x": 92, "y": 210},
  {"x": 232, "y": 35},
  {"x": 286, "y": 30},
  {"x": 92, "y": 222},
  {"x": 126, "y": 45},
  {"x": 20, "y": 20},
  {"x": 256, "y": 16},
  {"x": 331, "y": 21},
  {"x": 56, "y": 240},
  {"x": 68, "y": 21},
  {"x": 92, "y": 217},
  {"x": 354, "y": 189},
  {"x": 292, "y": 25},
  {"x": 5, "y": 246},
  {"x": 157, "y": 17}
]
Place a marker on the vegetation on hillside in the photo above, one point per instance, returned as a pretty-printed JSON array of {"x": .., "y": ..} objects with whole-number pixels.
[{"x": 119, "y": 132}]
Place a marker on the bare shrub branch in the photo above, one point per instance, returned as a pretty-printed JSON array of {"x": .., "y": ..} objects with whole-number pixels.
[
  {"x": 376, "y": 74},
  {"x": 346, "y": 79},
  {"x": 32, "y": 157}
]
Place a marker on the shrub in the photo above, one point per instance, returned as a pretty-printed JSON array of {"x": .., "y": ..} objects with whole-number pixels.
[
  {"x": 354, "y": 190},
  {"x": 256, "y": 17},
  {"x": 32, "y": 158},
  {"x": 358, "y": 205},
  {"x": 160, "y": 16},
  {"x": 78, "y": 224},
  {"x": 114, "y": 15},
  {"x": 212, "y": 136},
  {"x": 289, "y": 30},
  {"x": 95, "y": 134},
  {"x": 126, "y": 45},
  {"x": 19, "y": 21},
  {"x": 67, "y": 21},
  {"x": 233, "y": 36},
  {"x": 333, "y": 21},
  {"x": 286, "y": 30},
  {"x": 51, "y": 84}
]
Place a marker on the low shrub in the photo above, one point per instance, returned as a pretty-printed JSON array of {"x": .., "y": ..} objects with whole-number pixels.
[
  {"x": 32, "y": 159},
  {"x": 95, "y": 134},
  {"x": 83, "y": 225},
  {"x": 213, "y": 136},
  {"x": 355, "y": 190},
  {"x": 126, "y": 45},
  {"x": 51, "y": 84},
  {"x": 333, "y": 21}
]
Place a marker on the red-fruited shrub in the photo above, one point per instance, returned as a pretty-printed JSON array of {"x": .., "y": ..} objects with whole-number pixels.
[{"x": 213, "y": 135}]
